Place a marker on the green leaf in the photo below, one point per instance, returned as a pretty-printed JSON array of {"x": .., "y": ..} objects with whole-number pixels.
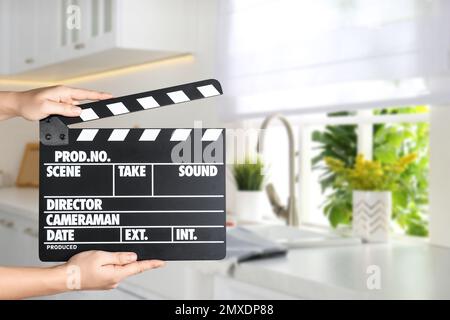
[{"x": 336, "y": 216}]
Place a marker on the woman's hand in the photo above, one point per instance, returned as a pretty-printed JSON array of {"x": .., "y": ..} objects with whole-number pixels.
[
  {"x": 98, "y": 270},
  {"x": 90, "y": 270},
  {"x": 39, "y": 103}
]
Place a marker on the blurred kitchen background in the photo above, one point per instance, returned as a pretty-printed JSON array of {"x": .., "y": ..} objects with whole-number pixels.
[{"x": 336, "y": 78}]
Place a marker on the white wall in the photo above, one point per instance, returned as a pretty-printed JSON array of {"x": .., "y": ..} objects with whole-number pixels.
[
  {"x": 439, "y": 176},
  {"x": 15, "y": 133}
]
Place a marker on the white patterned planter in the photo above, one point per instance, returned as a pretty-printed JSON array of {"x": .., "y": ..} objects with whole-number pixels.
[
  {"x": 248, "y": 205},
  {"x": 371, "y": 215}
]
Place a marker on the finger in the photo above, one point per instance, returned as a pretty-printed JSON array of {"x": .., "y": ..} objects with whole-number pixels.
[
  {"x": 138, "y": 267},
  {"x": 117, "y": 258},
  {"x": 83, "y": 94},
  {"x": 69, "y": 100},
  {"x": 60, "y": 108}
]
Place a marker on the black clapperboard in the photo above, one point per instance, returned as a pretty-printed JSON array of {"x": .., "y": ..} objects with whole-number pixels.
[{"x": 157, "y": 192}]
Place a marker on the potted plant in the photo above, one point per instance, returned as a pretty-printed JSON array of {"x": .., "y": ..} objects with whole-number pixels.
[
  {"x": 371, "y": 184},
  {"x": 249, "y": 179}
]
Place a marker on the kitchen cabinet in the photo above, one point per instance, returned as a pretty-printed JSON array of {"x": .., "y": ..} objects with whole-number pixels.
[
  {"x": 31, "y": 33},
  {"x": 4, "y": 36},
  {"x": 18, "y": 240},
  {"x": 24, "y": 35},
  {"x": 46, "y": 44},
  {"x": 96, "y": 31}
]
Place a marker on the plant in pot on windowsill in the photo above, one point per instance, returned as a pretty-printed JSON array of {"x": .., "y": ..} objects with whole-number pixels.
[
  {"x": 371, "y": 184},
  {"x": 249, "y": 198}
]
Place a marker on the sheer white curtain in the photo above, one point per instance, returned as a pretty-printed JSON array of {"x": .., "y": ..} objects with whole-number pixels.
[{"x": 316, "y": 55}]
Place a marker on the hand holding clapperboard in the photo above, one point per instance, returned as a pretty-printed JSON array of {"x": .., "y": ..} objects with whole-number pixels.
[{"x": 150, "y": 191}]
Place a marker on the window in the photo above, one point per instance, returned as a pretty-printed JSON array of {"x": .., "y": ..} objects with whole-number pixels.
[
  {"x": 381, "y": 134},
  {"x": 384, "y": 135},
  {"x": 278, "y": 55}
]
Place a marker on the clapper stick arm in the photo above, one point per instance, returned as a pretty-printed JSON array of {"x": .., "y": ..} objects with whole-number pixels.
[{"x": 53, "y": 130}]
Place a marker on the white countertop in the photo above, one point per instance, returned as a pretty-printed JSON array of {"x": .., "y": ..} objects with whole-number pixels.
[
  {"x": 408, "y": 271},
  {"x": 409, "y": 268}
]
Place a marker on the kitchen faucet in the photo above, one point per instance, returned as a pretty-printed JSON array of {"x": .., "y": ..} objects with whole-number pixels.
[{"x": 288, "y": 212}]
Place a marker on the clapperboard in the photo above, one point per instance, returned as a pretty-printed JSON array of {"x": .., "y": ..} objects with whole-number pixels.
[{"x": 157, "y": 192}]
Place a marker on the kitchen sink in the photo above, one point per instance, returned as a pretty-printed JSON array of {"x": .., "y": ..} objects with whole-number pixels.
[{"x": 302, "y": 237}]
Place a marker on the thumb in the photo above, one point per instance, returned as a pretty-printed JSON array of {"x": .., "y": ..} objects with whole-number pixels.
[{"x": 60, "y": 108}]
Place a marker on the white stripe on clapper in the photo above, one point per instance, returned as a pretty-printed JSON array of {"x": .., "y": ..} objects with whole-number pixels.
[
  {"x": 208, "y": 91},
  {"x": 149, "y": 135},
  {"x": 117, "y": 108},
  {"x": 118, "y": 134},
  {"x": 211, "y": 134},
  {"x": 180, "y": 134},
  {"x": 178, "y": 96},
  {"x": 88, "y": 114},
  {"x": 148, "y": 102},
  {"x": 87, "y": 134}
]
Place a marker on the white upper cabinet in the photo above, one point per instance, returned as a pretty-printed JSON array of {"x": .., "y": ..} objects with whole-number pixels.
[
  {"x": 31, "y": 34},
  {"x": 54, "y": 40},
  {"x": 4, "y": 37},
  {"x": 23, "y": 34},
  {"x": 84, "y": 27}
]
